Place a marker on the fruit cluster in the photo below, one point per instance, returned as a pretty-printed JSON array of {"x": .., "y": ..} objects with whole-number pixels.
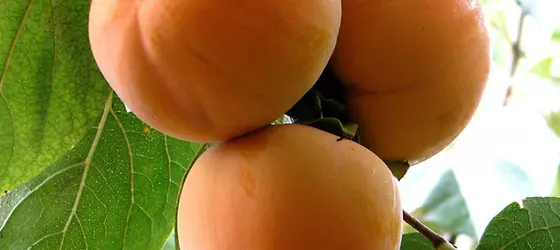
[{"x": 413, "y": 72}]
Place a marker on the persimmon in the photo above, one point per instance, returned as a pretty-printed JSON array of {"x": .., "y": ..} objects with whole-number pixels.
[
  {"x": 211, "y": 70},
  {"x": 414, "y": 71},
  {"x": 289, "y": 187}
]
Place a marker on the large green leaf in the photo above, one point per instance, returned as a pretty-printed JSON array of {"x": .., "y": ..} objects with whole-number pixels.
[
  {"x": 50, "y": 88},
  {"x": 117, "y": 189},
  {"x": 534, "y": 225}
]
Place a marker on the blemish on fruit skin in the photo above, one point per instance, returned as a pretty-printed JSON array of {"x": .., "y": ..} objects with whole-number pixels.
[
  {"x": 247, "y": 180},
  {"x": 6, "y": 191},
  {"x": 146, "y": 130}
]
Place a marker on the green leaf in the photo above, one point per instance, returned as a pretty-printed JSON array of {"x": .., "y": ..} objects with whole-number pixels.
[
  {"x": 553, "y": 120},
  {"x": 415, "y": 241},
  {"x": 51, "y": 91},
  {"x": 556, "y": 189},
  {"x": 556, "y": 35},
  {"x": 446, "y": 207},
  {"x": 536, "y": 225},
  {"x": 117, "y": 189},
  {"x": 542, "y": 68},
  {"x": 170, "y": 244}
]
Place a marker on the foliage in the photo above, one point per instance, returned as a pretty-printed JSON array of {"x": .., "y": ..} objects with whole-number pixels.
[
  {"x": 533, "y": 224},
  {"x": 118, "y": 188},
  {"x": 50, "y": 89},
  {"x": 415, "y": 241},
  {"x": 78, "y": 171},
  {"x": 445, "y": 208}
]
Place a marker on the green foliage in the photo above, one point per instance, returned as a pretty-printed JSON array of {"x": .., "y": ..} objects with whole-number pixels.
[
  {"x": 446, "y": 208},
  {"x": 171, "y": 243},
  {"x": 554, "y": 122},
  {"x": 533, "y": 225},
  {"x": 556, "y": 189},
  {"x": 117, "y": 189},
  {"x": 415, "y": 241},
  {"x": 50, "y": 89},
  {"x": 556, "y": 35},
  {"x": 82, "y": 173},
  {"x": 542, "y": 69}
]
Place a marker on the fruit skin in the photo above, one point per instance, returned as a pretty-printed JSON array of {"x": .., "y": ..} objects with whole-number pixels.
[
  {"x": 415, "y": 72},
  {"x": 210, "y": 70},
  {"x": 289, "y": 187}
]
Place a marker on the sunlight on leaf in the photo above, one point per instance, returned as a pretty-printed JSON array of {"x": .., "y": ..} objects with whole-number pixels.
[{"x": 50, "y": 89}]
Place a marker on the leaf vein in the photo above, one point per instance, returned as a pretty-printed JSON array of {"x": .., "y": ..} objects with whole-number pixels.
[
  {"x": 13, "y": 130},
  {"x": 82, "y": 229},
  {"x": 168, "y": 169},
  {"x": 96, "y": 197},
  {"x": 36, "y": 188},
  {"x": 41, "y": 239},
  {"x": 14, "y": 42},
  {"x": 522, "y": 236},
  {"x": 131, "y": 159},
  {"x": 103, "y": 176},
  {"x": 87, "y": 164}
]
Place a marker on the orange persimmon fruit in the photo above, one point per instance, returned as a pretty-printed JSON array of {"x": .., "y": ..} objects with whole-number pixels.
[
  {"x": 289, "y": 187},
  {"x": 415, "y": 71},
  {"x": 211, "y": 70}
]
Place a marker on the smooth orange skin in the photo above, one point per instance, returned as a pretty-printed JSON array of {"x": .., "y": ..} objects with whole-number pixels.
[
  {"x": 211, "y": 70},
  {"x": 289, "y": 187},
  {"x": 415, "y": 70}
]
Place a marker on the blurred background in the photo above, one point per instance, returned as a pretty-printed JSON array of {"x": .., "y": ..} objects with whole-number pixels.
[{"x": 511, "y": 148}]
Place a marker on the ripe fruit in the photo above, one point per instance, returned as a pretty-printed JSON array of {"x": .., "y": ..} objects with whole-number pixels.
[
  {"x": 208, "y": 70},
  {"x": 289, "y": 187},
  {"x": 415, "y": 72}
]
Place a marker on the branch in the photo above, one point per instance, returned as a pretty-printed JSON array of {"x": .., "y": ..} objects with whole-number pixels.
[
  {"x": 517, "y": 53},
  {"x": 438, "y": 241},
  {"x": 453, "y": 238},
  {"x": 516, "y": 46}
]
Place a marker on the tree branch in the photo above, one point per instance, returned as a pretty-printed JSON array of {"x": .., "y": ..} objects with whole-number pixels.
[
  {"x": 438, "y": 241},
  {"x": 453, "y": 238},
  {"x": 517, "y": 54}
]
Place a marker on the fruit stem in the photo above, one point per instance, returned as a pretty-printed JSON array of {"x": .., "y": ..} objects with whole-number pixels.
[
  {"x": 437, "y": 240},
  {"x": 398, "y": 168}
]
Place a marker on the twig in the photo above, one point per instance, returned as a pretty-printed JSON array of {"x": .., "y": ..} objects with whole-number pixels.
[
  {"x": 453, "y": 238},
  {"x": 436, "y": 239},
  {"x": 516, "y": 46},
  {"x": 517, "y": 54}
]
